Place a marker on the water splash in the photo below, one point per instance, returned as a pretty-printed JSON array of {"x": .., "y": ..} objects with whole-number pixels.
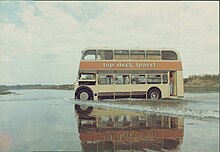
[{"x": 160, "y": 108}]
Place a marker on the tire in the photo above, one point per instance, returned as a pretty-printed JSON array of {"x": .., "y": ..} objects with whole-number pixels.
[
  {"x": 84, "y": 94},
  {"x": 154, "y": 94}
]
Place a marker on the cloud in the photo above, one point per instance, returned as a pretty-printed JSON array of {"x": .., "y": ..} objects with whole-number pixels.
[
  {"x": 49, "y": 36},
  {"x": 5, "y": 59}
]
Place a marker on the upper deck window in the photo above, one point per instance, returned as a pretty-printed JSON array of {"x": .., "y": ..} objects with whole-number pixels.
[
  {"x": 105, "y": 55},
  {"x": 121, "y": 54},
  {"x": 169, "y": 55},
  {"x": 137, "y": 54},
  {"x": 152, "y": 55},
  {"x": 89, "y": 55}
]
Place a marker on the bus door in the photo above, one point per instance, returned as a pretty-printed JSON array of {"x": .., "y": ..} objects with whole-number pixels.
[{"x": 173, "y": 83}]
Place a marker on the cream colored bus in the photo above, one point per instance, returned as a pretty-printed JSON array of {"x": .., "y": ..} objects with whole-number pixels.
[{"x": 112, "y": 73}]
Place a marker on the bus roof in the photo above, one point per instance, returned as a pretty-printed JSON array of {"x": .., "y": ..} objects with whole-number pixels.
[
  {"x": 129, "y": 48},
  {"x": 132, "y": 48}
]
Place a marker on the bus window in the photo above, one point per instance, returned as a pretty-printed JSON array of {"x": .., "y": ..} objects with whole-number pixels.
[
  {"x": 165, "y": 78},
  {"x": 105, "y": 79},
  {"x": 152, "y": 55},
  {"x": 87, "y": 76},
  {"x": 153, "y": 78},
  {"x": 121, "y": 54},
  {"x": 138, "y": 79},
  {"x": 106, "y": 121},
  {"x": 122, "y": 79},
  {"x": 89, "y": 55},
  {"x": 137, "y": 54},
  {"x": 169, "y": 55},
  {"x": 105, "y": 55}
]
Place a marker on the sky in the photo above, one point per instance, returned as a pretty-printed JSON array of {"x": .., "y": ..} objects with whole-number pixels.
[{"x": 41, "y": 42}]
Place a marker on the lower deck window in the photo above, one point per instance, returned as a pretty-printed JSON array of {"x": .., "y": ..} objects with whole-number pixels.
[
  {"x": 105, "y": 79},
  {"x": 138, "y": 79},
  {"x": 165, "y": 78},
  {"x": 122, "y": 79},
  {"x": 87, "y": 76},
  {"x": 154, "y": 79}
]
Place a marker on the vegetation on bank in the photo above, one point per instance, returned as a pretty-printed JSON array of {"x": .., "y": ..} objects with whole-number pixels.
[
  {"x": 194, "y": 83},
  {"x": 4, "y": 91},
  {"x": 202, "y": 80},
  {"x": 201, "y": 83},
  {"x": 38, "y": 86}
]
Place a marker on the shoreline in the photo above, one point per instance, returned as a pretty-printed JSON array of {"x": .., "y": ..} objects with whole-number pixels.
[
  {"x": 192, "y": 84},
  {"x": 186, "y": 89},
  {"x": 200, "y": 89},
  {"x": 5, "y": 92}
]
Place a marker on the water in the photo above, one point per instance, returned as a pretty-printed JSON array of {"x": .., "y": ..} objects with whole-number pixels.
[{"x": 51, "y": 120}]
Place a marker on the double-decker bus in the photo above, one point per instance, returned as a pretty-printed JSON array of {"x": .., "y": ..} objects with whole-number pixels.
[{"x": 112, "y": 73}]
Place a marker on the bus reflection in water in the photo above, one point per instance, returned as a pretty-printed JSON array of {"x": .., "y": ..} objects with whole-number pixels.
[{"x": 113, "y": 130}]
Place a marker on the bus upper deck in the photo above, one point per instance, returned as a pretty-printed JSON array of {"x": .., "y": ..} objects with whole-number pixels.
[{"x": 129, "y": 54}]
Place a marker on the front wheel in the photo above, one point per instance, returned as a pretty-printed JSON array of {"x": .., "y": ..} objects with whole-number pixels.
[
  {"x": 84, "y": 95},
  {"x": 154, "y": 94}
]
